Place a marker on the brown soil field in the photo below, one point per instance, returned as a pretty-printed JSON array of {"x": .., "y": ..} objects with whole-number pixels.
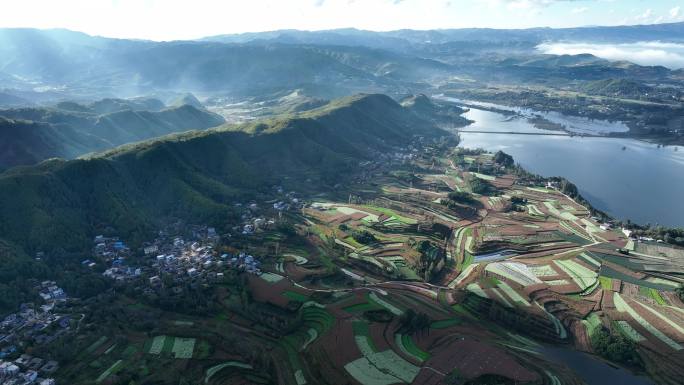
[
  {"x": 271, "y": 293},
  {"x": 472, "y": 358}
]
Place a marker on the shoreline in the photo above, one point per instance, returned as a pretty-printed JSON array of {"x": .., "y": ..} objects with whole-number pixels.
[{"x": 542, "y": 123}]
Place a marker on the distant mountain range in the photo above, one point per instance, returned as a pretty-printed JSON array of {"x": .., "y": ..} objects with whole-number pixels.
[
  {"x": 407, "y": 39},
  {"x": 53, "y": 65}
]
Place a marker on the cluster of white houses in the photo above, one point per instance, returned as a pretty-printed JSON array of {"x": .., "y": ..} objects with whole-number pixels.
[
  {"x": 13, "y": 373},
  {"x": 32, "y": 324}
]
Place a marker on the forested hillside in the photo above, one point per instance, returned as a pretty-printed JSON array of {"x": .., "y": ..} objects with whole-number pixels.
[{"x": 58, "y": 206}]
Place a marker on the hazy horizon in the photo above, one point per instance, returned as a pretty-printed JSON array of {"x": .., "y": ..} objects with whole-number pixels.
[{"x": 178, "y": 20}]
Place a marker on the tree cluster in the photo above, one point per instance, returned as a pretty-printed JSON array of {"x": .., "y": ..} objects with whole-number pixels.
[
  {"x": 503, "y": 159},
  {"x": 364, "y": 237},
  {"x": 480, "y": 186},
  {"x": 616, "y": 347},
  {"x": 411, "y": 322}
]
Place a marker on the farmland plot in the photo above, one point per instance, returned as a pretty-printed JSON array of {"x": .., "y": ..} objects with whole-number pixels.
[
  {"x": 378, "y": 368},
  {"x": 475, "y": 288},
  {"x": 367, "y": 374},
  {"x": 183, "y": 347},
  {"x": 100, "y": 341},
  {"x": 215, "y": 369},
  {"x": 542, "y": 270},
  {"x": 560, "y": 329},
  {"x": 382, "y": 368},
  {"x": 514, "y": 271},
  {"x": 583, "y": 277},
  {"x": 501, "y": 297},
  {"x": 112, "y": 369},
  {"x": 271, "y": 278},
  {"x": 592, "y": 323},
  {"x": 624, "y": 307},
  {"x": 628, "y": 331},
  {"x": 391, "y": 308},
  {"x": 408, "y": 347},
  {"x": 483, "y": 176},
  {"x": 157, "y": 345},
  {"x": 534, "y": 211},
  {"x": 349, "y": 211},
  {"x": 513, "y": 294},
  {"x": 551, "y": 205},
  {"x": 464, "y": 274}
]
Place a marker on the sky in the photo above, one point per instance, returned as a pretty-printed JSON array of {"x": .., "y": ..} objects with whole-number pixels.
[{"x": 183, "y": 19}]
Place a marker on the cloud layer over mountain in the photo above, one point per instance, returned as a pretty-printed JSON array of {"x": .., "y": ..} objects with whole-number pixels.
[{"x": 669, "y": 55}]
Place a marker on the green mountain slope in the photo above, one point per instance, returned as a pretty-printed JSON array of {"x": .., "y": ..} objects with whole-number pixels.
[
  {"x": 25, "y": 142},
  {"x": 447, "y": 115},
  {"x": 60, "y": 205},
  {"x": 29, "y": 135},
  {"x": 612, "y": 87},
  {"x": 188, "y": 99}
]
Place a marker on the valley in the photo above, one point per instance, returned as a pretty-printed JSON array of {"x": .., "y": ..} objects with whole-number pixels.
[
  {"x": 470, "y": 206},
  {"x": 422, "y": 263}
]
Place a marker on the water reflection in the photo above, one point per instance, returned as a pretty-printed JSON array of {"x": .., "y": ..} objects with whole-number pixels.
[{"x": 627, "y": 178}]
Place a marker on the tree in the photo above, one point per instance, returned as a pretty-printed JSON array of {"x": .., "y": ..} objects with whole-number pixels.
[
  {"x": 460, "y": 197},
  {"x": 503, "y": 159},
  {"x": 616, "y": 347},
  {"x": 479, "y": 186},
  {"x": 411, "y": 322},
  {"x": 364, "y": 237}
]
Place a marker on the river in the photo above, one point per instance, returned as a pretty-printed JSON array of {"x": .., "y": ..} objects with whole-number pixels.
[
  {"x": 629, "y": 179},
  {"x": 592, "y": 370}
]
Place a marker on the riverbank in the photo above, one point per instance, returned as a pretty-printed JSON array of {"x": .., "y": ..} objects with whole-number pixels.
[
  {"x": 625, "y": 178},
  {"x": 547, "y": 119}
]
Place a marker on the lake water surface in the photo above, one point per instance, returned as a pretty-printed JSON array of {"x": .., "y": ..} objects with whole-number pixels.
[
  {"x": 591, "y": 369},
  {"x": 627, "y": 178}
]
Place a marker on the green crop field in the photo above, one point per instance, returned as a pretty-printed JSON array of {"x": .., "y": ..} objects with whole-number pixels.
[
  {"x": 157, "y": 345},
  {"x": 583, "y": 277},
  {"x": 606, "y": 283},
  {"x": 622, "y": 306},
  {"x": 444, "y": 324},
  {"x": 112, "y": 370},
  {"x": 406, "y": 344},
  {"x": 100, "y": 341},
  {"x": 217, "y": 368},
  {"x": 295, "y": 296},
  {"x": 391, "y": 308},
  {"x": 361, "y": 307},
  {"x": 271, "y": 278},
  {"x": 483, "y": 176},
  {"x": 628, "y": 331},
  {"x": 592, "y": 323},
  {"x": 393, "y": 215},
  {"x": 183, "y": 347}
]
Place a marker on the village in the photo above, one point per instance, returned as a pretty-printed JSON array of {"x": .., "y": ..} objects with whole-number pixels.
[
  {"x": 170, "y": 262},
  {"x": 458, "y": 245},
  {"x": 32, "y": 325}
]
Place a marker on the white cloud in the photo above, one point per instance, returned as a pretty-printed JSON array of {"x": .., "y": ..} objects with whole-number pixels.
[
  {"x": 578, "y": 10},
  {"x": 644, "y": 16},
  {"x": 669, "y": 55},
  {"x": 675, "y": 12}
]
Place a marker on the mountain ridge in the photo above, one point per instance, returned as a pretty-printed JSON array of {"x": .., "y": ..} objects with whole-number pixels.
[
  {"x": 60, "y": 204},
  {"x": 34, "y": 134}
]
